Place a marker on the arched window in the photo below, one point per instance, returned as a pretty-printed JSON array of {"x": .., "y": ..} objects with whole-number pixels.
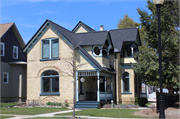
[
  {"x": 126, "y": 87},
  {"x": 50, "y": 82}
]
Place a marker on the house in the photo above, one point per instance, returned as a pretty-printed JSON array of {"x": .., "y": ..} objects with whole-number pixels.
[
  {"x": 13, "y": 64},
  {"x": 104, "y": 60}
]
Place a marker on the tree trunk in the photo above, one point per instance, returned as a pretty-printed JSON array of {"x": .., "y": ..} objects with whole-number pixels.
[{"x": 74, "y": 97}]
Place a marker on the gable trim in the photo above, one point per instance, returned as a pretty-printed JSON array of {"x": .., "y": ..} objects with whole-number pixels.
[
  {"x": 36, "y": 38},
  {"x": 42, "y": 30},
  {"x": 78, "y": 26}
]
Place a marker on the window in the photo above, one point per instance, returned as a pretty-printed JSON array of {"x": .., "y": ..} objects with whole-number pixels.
[
  {"x": 50, "y": 82},
  {"x": 5, "y": 77},
  {"x": 2, "y": 49},
  {"x": 97, "y": 51},
  {"x": 126, "y": 82},
  {"x": 50, "y": 48},
  {"x": 15, "y": 52}
]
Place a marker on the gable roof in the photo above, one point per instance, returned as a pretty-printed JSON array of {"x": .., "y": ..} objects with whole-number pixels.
[
  {"x": 118, "y": 36},
  {"x": 70, "y": 37},
  {"x": 5, "y": 27},
  {"x": 91, "y": 38},
  {"x": 86, "y": 26}
]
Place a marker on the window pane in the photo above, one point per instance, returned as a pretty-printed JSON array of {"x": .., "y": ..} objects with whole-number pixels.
[
  {"x": 1, "y": 49},
  {"x": 5, "y": 79},
  {"x": 126, "y": 84},
  {"x": 55, "y": 84},
  {"x": 46, "y": 85},
  {"x": 96, "y": 50},
  {"x": 15, "y": 55},
  {"x": 128, "y": 51},
  {"x": 5, "y": 75},
  {"x": 55, "y": 48},
  {"x": 45, "y": 49}
]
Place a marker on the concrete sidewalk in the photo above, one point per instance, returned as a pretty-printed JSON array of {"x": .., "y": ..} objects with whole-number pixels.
[
  {"x": 39, "y": 115},
  {"x": 60, "y": 112}
]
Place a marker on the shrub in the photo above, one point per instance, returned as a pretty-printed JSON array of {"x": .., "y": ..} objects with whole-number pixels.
[
  {"x": 66, "y": 104},
  {"x": 54, "y": 104},
  {"x": 141, "y": 101}
]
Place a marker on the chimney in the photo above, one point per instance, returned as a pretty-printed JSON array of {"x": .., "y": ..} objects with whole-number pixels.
[{"x": 101, "y": 28}]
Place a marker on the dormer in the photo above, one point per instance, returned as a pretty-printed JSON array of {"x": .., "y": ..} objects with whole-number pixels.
[{"x": 82, "y": 28}]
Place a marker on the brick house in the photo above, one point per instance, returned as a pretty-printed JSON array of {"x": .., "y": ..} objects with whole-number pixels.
[{"x": 106, "y": 73}]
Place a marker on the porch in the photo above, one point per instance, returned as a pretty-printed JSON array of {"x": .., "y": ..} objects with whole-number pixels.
[{"x": 94, "y": 86}]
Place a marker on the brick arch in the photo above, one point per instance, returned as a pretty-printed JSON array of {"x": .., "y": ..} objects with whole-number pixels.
[{"x": 48, "y": 68}]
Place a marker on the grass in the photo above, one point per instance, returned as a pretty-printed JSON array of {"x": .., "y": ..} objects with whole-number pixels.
[
  {"x": 7, "y": 104},
  {"x": 4, "y": 117},
  {"x": 114, "y": 113},
  {"x": 30, "y": 111},
  {"x": 50, "y": 118}
]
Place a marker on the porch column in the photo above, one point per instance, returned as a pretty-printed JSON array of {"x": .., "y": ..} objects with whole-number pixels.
[
  {"x": 105, "y": 89},
  {"x": 98, "y": 98},
  {"x": 112, "y": 86},
  {"x": 77, "y": 97}
]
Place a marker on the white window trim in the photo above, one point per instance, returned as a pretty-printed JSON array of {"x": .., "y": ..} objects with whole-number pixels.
[
  {"x": 100, "y": 54},
  {"x": 7, "y": 77},
  {"x": 1, "y": 43},
  {"x": 17, "y": 52}
]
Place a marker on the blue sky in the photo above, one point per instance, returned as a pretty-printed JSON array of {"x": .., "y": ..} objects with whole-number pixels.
[{"x": 29, "y": 15}]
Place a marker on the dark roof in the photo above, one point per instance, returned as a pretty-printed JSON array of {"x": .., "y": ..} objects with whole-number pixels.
[
  {"x": 118, "y": 36},
  {"x": 69, "y": 36},
  {"x": 91, "y": 38},
  {"x": 66, "y": 33},
  {"x": 89, "y": 28}
]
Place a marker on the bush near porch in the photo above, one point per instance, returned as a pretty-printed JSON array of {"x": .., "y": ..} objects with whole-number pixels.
[{"x": 141, "y": 101}]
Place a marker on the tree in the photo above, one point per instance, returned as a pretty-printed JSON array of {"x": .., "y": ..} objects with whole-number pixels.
[
  {"x": 127, "y": 22},
  {"x": 72, "y": 67},
  {"x": 148, "y": 59}
]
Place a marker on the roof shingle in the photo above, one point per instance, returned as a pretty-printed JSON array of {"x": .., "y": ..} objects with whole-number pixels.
[
  {"x": 4, "y": 28},
  {"x": 118, "y": 36}
]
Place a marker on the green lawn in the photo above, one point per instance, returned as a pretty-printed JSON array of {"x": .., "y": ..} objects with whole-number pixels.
[
  {"x": 4, "y": 117},
  {"x": 49, "y": 118},
  {"x": 30, "y": 111},
  {"x": 7, "y": 104},
  {"x": 114, "y": 113}
]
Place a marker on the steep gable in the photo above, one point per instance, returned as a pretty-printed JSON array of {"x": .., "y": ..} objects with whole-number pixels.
[
  {"x": 119, "y": 36},
  {"x": 82, "y": 28},
  {"x": 67, "y": 36},
  {"x": 5, "y": 27}
]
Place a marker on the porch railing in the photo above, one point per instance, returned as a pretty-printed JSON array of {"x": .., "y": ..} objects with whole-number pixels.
[{"x": 106, "y": 96}]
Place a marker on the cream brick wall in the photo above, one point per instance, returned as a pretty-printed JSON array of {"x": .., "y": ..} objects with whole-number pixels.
[
  {"x": 128, "y": 98},
  {"x": 128, "y": 60},
  {"x": 35, "y": 68},
  {"x": 104, "y": 62}
]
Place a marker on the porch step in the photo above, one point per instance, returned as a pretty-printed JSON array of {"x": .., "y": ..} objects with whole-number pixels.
[{"x": 87, "y": 104}]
